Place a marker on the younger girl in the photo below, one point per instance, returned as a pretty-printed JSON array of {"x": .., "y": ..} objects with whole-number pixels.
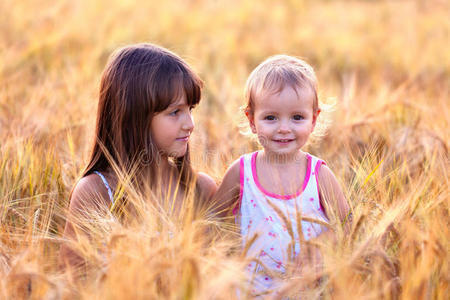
[
  {"x": 273, "y": 188},
  {"x": 143, "y": 127}
]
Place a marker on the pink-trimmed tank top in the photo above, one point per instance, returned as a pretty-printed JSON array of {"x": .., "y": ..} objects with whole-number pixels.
[{"x": 258, "y": 217}]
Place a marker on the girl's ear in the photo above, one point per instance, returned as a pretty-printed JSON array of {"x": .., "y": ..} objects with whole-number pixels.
[
  {"x": 315, "y": 116},
  {"x": 251, "y": 120}
]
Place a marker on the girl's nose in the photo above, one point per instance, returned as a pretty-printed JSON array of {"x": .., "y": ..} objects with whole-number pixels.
[
  {"x": 188, "y": 123},
  {"x": 284, "y": 128}
]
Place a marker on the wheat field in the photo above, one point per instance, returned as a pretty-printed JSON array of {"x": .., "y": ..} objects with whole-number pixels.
[{"x": 384, "y": 64}]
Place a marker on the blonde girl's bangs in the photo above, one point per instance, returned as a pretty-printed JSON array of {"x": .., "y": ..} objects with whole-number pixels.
[{"x": 277, "y": 72}]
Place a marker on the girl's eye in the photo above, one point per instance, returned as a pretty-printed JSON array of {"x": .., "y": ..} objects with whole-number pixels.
[
  {"x": 269, "y": 118},
  {"x": 191, "y": 107},
  {"x": 174, "y": 113},
  {"x": 297, "y": 117}
]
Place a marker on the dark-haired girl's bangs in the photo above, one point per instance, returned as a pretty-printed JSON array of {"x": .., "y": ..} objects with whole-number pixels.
[
  {"x": 192, "y": 85},
  {"x": 167, "y": 90},
  {"x": 170, "y": 90}
]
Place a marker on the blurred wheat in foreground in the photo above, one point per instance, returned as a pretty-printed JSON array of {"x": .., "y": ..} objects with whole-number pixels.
[{"x": 386, "y": 63}]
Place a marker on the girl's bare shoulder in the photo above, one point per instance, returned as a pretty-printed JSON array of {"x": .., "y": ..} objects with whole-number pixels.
[
  {"x": 231, "y": 179},
  {"x": 232, "y": 174},
  {"x": 326, "y": 178},
  {"x": 206, "y": 184},
  {"x": 89, "y": 191},
  {"x": 228, "y": 192}
]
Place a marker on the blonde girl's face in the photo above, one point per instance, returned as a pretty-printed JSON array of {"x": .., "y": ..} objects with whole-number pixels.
[
  {"x": 171, "y": 128},
  {"x": 283, "y": 121}
]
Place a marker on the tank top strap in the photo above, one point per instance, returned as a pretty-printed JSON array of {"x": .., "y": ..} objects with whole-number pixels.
[
  {"x": 105, "y": 182},
  {"x": 312, "y": 189},
  {"x": 244, "y": 168},
  {"x": 316, "y": 163},
  {"x": 246, "y": 164}
]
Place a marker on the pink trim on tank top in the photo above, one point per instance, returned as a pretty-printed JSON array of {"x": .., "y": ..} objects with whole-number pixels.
[
  {"x": 283, "y": 197},
  {"x": 241, "y": 184},
  {"x": 316, "y": 173}
]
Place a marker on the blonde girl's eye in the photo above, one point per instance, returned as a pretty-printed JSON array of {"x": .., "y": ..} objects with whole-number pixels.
[
  {"x": 269, "y": 118},
  {"x": 297, "y": 117}
]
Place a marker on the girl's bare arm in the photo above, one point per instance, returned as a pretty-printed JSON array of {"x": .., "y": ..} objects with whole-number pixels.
[
  {"x": 332, "y": 197},
  {"x": 89, "y": 197},
  {"x": 227, "y": 195},
  {"x": 208, "y": 188},
  {"x": 336, "y": 208}
]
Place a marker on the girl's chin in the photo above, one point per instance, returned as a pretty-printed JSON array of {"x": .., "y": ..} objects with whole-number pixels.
[
  {"x": 282, "y": 152},
  {"x": 178, "y": 153}
]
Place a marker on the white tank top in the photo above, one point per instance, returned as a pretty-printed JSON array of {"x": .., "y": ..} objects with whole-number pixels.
[{"x": 258, "y": 217}]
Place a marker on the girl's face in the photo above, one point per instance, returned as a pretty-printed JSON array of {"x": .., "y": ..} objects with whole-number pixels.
[
  {"x": 283, "y": 121},
  {"x": 172, "y": 128}
]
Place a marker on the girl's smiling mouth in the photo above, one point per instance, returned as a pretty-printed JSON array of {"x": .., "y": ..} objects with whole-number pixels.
[{"x": 283, "y": 141}]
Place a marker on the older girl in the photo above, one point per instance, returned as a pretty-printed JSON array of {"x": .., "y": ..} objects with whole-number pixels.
[{"x": 143, "y": 128}]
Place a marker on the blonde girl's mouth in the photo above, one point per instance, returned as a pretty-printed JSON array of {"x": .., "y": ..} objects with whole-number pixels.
[{"x": 284, "y": 141}]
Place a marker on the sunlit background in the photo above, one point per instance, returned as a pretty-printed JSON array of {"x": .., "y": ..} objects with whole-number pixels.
[{"x": 385, "y": 65}]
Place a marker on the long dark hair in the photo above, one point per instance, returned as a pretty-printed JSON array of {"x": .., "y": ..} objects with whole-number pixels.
[{"x": 139, "y": 81}]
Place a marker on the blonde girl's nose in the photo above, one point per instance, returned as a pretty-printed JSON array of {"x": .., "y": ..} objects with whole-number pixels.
[{"x": 284, "y": 127}]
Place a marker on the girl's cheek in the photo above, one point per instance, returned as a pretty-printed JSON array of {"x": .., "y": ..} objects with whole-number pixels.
[
  {"x": 271, "y": 126},
  {"x": 192, "y": 120}
]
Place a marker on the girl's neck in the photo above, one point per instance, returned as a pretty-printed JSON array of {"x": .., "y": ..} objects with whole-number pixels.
[
  {"x": 276, "y": 159},
  {"x": 169, "y": 189},
  {"x": 166, "y": 170}
]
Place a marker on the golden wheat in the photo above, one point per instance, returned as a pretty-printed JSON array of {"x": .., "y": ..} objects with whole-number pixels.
[{"x": 387, "y": 65}]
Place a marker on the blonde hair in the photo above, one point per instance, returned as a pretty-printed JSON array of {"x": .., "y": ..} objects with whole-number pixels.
[
  {"x": 277, "y": 72},
  {"x": 273, "y": 74}
]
